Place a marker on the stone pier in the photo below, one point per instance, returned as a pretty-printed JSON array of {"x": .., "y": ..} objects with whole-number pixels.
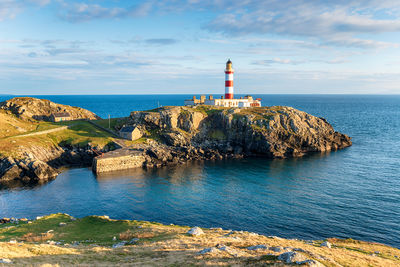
[{"x": 120, "y": 159}]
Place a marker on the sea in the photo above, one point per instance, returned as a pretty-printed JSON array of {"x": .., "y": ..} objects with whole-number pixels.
[{"x": 351, "y": 193}]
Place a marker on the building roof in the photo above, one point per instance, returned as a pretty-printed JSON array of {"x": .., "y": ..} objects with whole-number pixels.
[
  {"x": 61, "y": 115},
  {"x": 127, "y": 129},
  {"x": 229, "y": 61}
]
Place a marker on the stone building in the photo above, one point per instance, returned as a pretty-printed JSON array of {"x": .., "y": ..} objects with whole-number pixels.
[
  {"x": 130, "y": 132},
  {"x": 61, "y": 116}
]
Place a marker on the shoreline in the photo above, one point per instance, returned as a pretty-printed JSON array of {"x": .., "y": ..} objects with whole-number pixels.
[{"x": 99, "y": 240}]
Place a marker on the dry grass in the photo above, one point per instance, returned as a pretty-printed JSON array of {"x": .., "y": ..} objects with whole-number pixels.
[
  {"x": 168, "y": 245},
  {"x": 129, "y": 234},
  {"x": 31, "y": 237}
]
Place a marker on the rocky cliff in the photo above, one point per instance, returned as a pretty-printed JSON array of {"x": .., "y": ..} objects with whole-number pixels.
[
  {"x": 41, "y": 109},
  {"x": 181, "y": 133},
  {"x": 32, "y": 150}
]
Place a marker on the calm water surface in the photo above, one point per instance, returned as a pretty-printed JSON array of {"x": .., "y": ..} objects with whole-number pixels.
[{"x": 354, "y": 192}]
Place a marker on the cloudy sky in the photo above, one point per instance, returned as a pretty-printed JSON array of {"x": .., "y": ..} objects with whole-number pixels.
[{"x": 173, "y": 46}]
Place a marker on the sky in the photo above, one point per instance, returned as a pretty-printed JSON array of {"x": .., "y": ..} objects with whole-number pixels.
[{"x": 181, "y": 47}]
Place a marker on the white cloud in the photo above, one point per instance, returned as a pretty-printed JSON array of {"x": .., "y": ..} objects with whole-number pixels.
[{"x": 10, "y": 8}]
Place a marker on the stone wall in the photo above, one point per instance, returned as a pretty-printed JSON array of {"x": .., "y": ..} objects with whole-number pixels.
[{"x": 116, "y": 163}]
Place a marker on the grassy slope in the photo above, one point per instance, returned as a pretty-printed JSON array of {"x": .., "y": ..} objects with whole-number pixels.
[
  {"x": 79, "y": 133},
  {"x": 10, "y": 125},
  {"x": 114, "y": 122},
  {"x": 166, "y": 245}
]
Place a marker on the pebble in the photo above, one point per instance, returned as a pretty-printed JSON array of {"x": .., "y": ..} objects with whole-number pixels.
[
  {"x": 5, "y": 261},
  {"x": 257, "y": 247},
  {"x": 275, "y": 237},
  {"x": 133, "y": 241},
  {"x": 291, "y": 257},
  {"x": 12, "y": 241},
  {"x": 312, "y": 263},
  {"x": 62, "y": 224},
  {"x": 119, "y": 245},
  {"x": 326, "y": 244},
  {"x": 276, "y": 249},
  {"x": 195, "y": 231},
  {"x": 51, "y": 242},
  {"x": 207, "y": 250}
]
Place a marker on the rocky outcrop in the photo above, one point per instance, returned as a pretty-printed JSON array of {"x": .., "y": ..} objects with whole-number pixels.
[
  {"x": 183, "y": 133},
  {"x": 40, "y": 109},
  {"x": 40, "y": 164}
]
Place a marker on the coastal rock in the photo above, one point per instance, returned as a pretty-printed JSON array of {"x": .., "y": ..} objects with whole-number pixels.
[
  {"x": 257, "y": 247},
  {"x": 133, "y": 241},
  {"x": 195, "y": 231},
  {"x": 312, "y": 263},
  {"x": 276, "y": 249},
  {"x": 119, "y": 245},
  {"x": 326, "y": 244},
  {"x": 26, "y": 170},
  {"x": 207, "y": 251},
  {"x": 205, "y": 132},
  {"x": 8, "y": 261},
  {"x": 41, "y": 109},
  {"x": 291, "y": 257}
]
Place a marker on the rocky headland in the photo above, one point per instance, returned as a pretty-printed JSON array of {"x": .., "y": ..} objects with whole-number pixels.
[
  {"x": 30, "y": 108},
  {"x": 33, "y": 149},
  {"x": 171, "y": 135}
]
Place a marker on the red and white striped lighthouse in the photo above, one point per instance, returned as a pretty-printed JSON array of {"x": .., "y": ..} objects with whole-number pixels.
[{"x": 229, "y": 80}]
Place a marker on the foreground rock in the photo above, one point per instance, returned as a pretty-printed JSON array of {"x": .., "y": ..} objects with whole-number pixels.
[{"x": 101, "y": 241}]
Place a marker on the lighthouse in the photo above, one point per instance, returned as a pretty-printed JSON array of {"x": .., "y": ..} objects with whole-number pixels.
[
  {"x": 227, "y": 102},
  {"x": 229, "y": 80}
]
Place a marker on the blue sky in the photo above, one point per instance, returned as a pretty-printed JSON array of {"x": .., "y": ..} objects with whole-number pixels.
[{"x": 180, "y": 47}]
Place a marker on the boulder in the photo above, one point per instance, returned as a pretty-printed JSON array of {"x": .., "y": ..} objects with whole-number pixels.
[
  {"x": 42, "y": 170},
  {"x": 257, "y": 247},
  {"x": 276, "y": 249},
  {"x": 175, "y": 139},
  {"x": 291, "y": 257},
  {"x": 195, "y": 231}
]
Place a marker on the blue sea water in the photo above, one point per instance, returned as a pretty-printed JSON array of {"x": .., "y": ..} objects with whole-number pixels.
[{"x": 353, "y": 192}]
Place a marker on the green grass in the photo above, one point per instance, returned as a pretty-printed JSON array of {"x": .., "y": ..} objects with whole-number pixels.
[
  {"x": 79, "y": 134},
  {"x": 208, "y": 110},
  {"x": 87, "y": 230},
  {"x": 113, "y": 123}
]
